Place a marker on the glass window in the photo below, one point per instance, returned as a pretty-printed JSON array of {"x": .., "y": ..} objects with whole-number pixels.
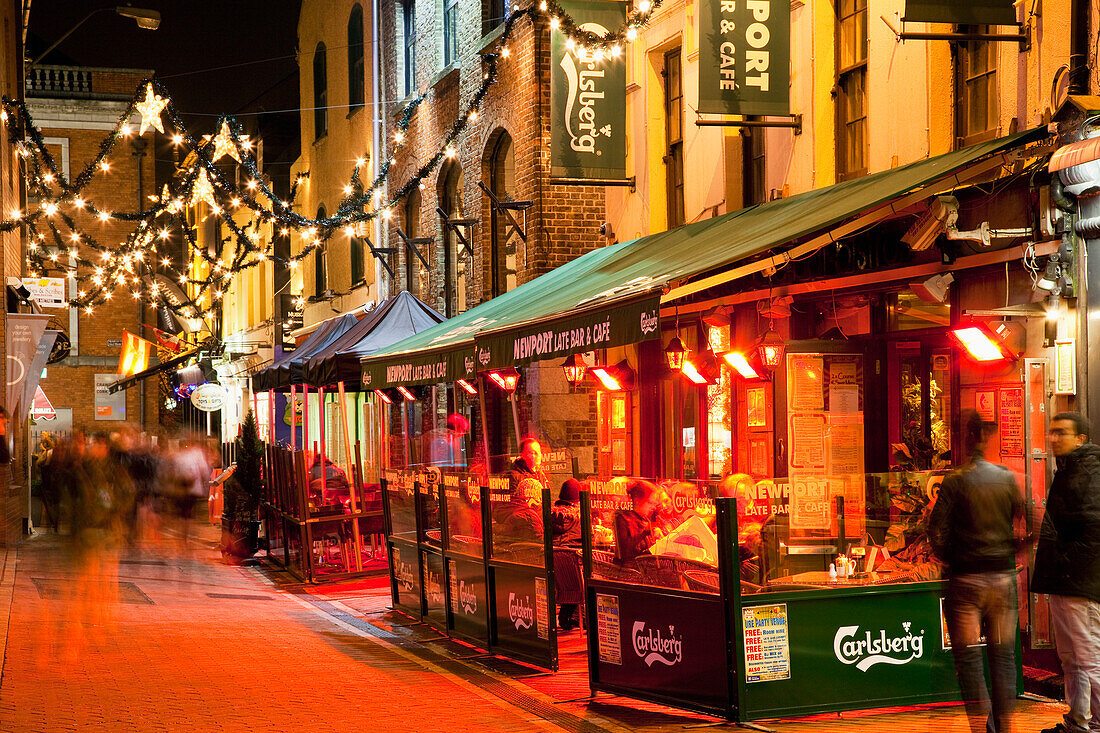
[
  {"x": 358, "y": 271},
  {"x": 851, "y": 87},
  {"x": 356, "y": 75},
  {"x": 674, "y": 134},
  {"x": 454, "y": 251},
  {"x": 320, "y": 93},
  {"x": 493, "y": 13},
  {"x": 450, "y": 32},
  {"x": 408, "y": 27},
  {"x": 502, "y": 175},
  {"x": 975, "y": 89},
  {"x": 412, "y": 230}
]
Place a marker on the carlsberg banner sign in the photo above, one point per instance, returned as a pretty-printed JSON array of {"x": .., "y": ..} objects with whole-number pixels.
[
  {"x": 588, "y": 99},
  {"x": 745, "y": 57}
]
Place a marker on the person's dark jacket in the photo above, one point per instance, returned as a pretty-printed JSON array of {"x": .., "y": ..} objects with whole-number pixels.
[
  {"x": 566, "y": 519},
  {"x": 633, "y": 535},
  {"x": 1067, "y": 562},
  {"x": 972, "y": 525}
]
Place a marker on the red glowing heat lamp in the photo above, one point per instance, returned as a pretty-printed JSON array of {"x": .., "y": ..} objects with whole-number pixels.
[
  {"x": 406, "y": 393},
  {"x": 616, "y": 378},
  {"x": 383, "y": 396},
  {"x": 506, "y": 379},
  {"x": 979, "y": 342},
  {"x": 469, "y": 388},
  {"x": 741, "y": 365}
]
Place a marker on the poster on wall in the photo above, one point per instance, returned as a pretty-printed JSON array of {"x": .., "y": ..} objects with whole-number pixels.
[
  {"x": 745, "y": 57},
  {"x": 1011, "y": 423},
  {"x": 805, "y": 380},
  {"x": 766, "y": 643},
  {"x": 109, "y": 406},
  {"x": 588, "y": 99},
  {"x": 756, "y": 399}
]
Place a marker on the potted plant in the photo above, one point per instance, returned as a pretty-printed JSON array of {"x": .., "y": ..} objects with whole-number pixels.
[{"x": 243, "y": 489}]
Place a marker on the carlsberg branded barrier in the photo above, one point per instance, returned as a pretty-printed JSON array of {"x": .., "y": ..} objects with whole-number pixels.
[
  {"x": 474, "y": 561},
  {"x": 698, "y": 635}
]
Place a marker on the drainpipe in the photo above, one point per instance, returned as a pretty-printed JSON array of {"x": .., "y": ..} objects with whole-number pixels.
[{"x": 378, "y": 138}]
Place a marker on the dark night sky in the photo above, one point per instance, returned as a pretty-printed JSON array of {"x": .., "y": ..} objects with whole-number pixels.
[{"x": 194, "y": 37}]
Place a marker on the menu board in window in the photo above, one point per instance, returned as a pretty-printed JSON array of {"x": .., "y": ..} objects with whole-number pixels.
[{"x": 825, "y": 436}]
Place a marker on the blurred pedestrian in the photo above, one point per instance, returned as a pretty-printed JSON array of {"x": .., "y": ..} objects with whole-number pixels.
[
  {"x": 1067, "y": 566},
  {"x": 48, "y": 489},
  {"x": 972, "y": 529}
]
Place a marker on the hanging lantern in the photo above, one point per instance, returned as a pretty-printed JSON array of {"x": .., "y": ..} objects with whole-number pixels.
[
  {"x": 574, "y": 368},
  {"x": 675, "y": 353},
  {"x": 770, "y": 349}
]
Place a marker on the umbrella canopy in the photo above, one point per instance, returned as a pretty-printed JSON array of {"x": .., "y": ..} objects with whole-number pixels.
[
  {"x": 394, "y": 319},
  {"x": 288, "y": 371}
]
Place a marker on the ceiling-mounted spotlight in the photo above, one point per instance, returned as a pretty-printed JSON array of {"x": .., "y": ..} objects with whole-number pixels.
[
  {"x": 615, "y": 378},
  {"x": 467, "y": 387},
  {"x": 381, "y": 394},
  {"x": 934, "y": 289},
  {"x": 741, "y": 365},
  {"x": 406, "y": 393}
]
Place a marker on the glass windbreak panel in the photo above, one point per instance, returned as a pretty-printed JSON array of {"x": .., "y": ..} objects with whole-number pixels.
[
  {"x": 851, "y": 529},
  {"x": 402, "y": 503},
  {"x": 462, "y": 495},
  {"x": 659, "y": 534},
  {"x": 334, "y": 548},
  {"x": 428, "y": 506},
  {"x": 515, "y": 505},
  {"x": 329, "y": 489}
]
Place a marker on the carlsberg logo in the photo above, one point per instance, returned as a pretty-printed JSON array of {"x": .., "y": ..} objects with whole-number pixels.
[
  {"x": 868, "y": 648},
  {"x": 649, "y": 321},
  {"x": 652, "y": 646},
  {"x": 467, "y": 597},
  {"x": 583, "y": 77},
  {"x": 520, "y": 611},
  {"x": 403, "y": 572}
]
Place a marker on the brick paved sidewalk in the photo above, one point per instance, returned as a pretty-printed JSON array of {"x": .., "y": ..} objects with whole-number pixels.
[{"x": 191, "y": 644}]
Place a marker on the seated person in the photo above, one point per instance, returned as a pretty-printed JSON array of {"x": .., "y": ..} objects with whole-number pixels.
[
  {"x": 566, "y": 514},
  {"x": 335, "y": 483},
  {"x": 635, "y": 531}
]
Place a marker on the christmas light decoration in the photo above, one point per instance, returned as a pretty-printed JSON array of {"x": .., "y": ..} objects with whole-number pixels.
[
  {"x": 223, "y": 144},
  {"x": 150, "y": 109}
]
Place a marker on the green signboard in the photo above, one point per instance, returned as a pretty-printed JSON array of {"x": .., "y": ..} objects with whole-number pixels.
[
  {"x": 974, "y": 12},
  {"x": 745, "y": 57},
  {"x": 588, "y": 99},
  {"x": 428, "y": 367},
  {"x": 622, "y": 324}
]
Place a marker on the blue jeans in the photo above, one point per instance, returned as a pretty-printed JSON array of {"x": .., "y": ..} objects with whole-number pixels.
[
  {"x": 1077, "y": 635},
  {"x": 977, "y": 604}
]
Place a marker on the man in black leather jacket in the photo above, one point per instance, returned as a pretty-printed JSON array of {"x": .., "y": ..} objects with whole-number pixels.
[
  {"x": 972, "y": 530},
  {"x": 1067, "y": 566}
]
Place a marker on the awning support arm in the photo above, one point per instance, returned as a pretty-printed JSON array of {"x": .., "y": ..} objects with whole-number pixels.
[
  {"x": 413, "y": 244},
  {"x": 454, "y": 224},
  {"x": 793, "y": 121},
  {"x": 506, "y": 208},
  {"x": 1023, "y": 37},
  {"x": 378, "y": 252}
]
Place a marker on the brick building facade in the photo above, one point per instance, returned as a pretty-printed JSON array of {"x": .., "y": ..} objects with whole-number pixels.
[{"x": 76, "y": 108}]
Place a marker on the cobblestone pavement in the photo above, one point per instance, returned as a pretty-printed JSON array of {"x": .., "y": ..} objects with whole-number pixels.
[{"x": 162, "y": 638}]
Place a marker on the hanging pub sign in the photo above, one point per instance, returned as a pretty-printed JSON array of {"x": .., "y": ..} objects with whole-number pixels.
[
  {"x": 974, "y": 12},
  {"x": 588, "y": 99},
  {"x": 745, "y": 57}
]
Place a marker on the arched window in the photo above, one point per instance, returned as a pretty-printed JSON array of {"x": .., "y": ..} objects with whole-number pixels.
[
  {"x": 320, "y": 93},
  {"x": 454, "y": 254},
  {"x": 320, "y": 276},
  {"x": 356, "y": 77},
  {"x": 412, "y": 231},
  {"x": 502, "y": 241}
]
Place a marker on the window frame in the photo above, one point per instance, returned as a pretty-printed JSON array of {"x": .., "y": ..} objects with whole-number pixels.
[
  {"x": 673, "y": 102},
  {"x": 320, "y": 92},
  {"x": 408, "y": 34},
  {"x": 499, "y": 234},
  {"x": 320, "y": 263},
  {"x": 854, "y": 73},
  {"x": 450, "y": 32},
  {"x": 357, "y": 80},
  {"x": 963, "y": 52},
  {"x": 412, "y": 230}
]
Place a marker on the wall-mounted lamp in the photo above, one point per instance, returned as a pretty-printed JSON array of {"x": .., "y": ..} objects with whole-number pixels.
[
  {"x": 770, "y": 349},
  {"x": 741, "y": 365},
  {"x": 381, "y": 394},
  {"x": 467, "y": 387},
  {"x": 617, "y": 378},
  {"x": 406, "y": 393},
  {"x": 506, "y": 379},
  {"x": 675, "y": 354},
  {"x": 574, "y": 368},
  {"x": 1051, "y": 276},
  {"x": 702, "y": 370}
]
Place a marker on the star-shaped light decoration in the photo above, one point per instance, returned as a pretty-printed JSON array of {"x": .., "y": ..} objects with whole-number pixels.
[
  {"x": 203, "y": 190},
  {"x": 150, "y": 109},
  {"x": 223, "y": 145}
]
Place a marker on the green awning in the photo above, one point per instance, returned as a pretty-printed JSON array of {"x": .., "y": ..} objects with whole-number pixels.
[{"x": 621, "y": 284}]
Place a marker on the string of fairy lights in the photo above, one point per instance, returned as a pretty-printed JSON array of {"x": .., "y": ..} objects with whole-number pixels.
[{"x": 59, "y": 242}]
